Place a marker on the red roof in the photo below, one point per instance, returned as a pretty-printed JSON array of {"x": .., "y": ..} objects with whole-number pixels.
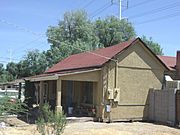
[
  {"x": 94, "y": 59},
  {"x": 169, "y": 61},
  {"x": 89, "y": 59}
]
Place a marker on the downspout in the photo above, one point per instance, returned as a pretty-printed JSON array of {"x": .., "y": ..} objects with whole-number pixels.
[{"x": 116, "y": 75}]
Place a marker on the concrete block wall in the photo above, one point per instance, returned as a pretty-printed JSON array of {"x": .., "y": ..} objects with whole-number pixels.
[{"x": 162, "y": 107}]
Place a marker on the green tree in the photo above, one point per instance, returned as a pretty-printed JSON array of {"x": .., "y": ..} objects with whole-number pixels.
[
  {"x": 5, "y": 75},
  {"x": 73, "y": 34},
  {"x": 34, "y": 63},
  {"x": 111, "y": 31},
  {"x": 1, "y": 68},
  {"x": 12, "y": 69},
  {"x": 154, "y": 46}
]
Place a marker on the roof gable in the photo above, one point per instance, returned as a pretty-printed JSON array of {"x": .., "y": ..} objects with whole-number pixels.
[
  {"x": 89, "y": 59},
  {"x": 95, "y": 58}
]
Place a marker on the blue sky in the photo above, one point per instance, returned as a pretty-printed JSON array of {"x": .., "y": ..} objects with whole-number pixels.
[{"x": 159, "y": 19}]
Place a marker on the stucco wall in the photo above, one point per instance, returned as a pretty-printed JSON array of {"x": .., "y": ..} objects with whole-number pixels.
[
  {"x": 138, "y": 71},
  {"x": 92, "y": 76}
]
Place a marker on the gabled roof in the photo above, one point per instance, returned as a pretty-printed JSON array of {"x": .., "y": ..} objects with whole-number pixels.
[
  {"x": 94, "y": 59},
  {"x": 89, "y": 59},
  {"x": 169, "y": 61}
]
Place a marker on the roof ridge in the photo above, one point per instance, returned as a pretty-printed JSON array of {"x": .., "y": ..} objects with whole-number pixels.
[{"x": 91, "y": 58}]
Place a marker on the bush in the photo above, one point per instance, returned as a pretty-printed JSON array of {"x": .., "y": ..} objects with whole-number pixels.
[
  {"x": 11, "y": 106},
  {"x": 50, "y": 122}
]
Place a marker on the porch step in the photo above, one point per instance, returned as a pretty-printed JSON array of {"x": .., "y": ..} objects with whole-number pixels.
[{"x": 79, "y": 119}]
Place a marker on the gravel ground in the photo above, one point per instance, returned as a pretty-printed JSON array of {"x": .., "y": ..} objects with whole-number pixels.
[{"x": 94, "y": 128}]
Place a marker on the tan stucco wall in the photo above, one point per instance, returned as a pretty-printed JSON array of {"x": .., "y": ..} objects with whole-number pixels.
[
  {"x": 138, "y": 71},
  {"x": 92, "y": 76}
]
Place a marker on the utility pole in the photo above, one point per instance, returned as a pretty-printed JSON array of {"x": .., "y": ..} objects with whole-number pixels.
[{"x": 120, "y": 9}]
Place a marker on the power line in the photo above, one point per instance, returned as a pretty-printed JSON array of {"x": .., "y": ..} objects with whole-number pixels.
[
  {"x": 4, "y": 61},
  {"x": 98, "y": 11},
  {"x": 102, "y": 10},
  {"x": 22, "y": 47},
  {"x": 43, "y": 35},
  {"x": 160, "y": 18},
  {"x": 140, "y": 3},
  {"x": 156, "y": 10},
  {"x": 89, "y": 3},
  {"x": 39, "y": 45},
  {"x": 8, "y": 58}
]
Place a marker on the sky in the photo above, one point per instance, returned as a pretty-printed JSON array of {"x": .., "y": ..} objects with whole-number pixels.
[{"x": 23, "y": 23}]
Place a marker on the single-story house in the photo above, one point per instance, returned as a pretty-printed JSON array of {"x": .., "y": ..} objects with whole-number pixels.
[{"x": 109, "y": 83}]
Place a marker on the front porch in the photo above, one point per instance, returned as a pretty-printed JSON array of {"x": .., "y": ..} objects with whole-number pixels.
[{"x": 77, "y": 95}]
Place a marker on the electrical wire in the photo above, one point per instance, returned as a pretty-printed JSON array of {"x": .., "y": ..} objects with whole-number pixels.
[
  {"x": 8, "y": 58},
  {"x": 159, "y": 18},
  {"x": 100, "y": 9},
  {"x": 43, "y": 35},
  {"x": 140, "y": 3},
  {"x": 156, "y": 10},
  {"x": 89, "y": 3},
  {"x": 22, "y": 47}
]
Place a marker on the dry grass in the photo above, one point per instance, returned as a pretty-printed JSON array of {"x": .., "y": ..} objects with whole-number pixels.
[{"x": 94, "y": 128}]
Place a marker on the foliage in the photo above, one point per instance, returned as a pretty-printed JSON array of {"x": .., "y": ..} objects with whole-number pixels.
[
  {"x": 73, "y": 34},
  {"x": 5, "y": 76},
  {"x": 11, "y": 106},
  {"x": 154, "y": 46},
  {"x": 1, "y": 68},
  {"x": 34, "y": 63},
  {"x": 50, "y": 122},
  {"x": 111, "y": 31}
]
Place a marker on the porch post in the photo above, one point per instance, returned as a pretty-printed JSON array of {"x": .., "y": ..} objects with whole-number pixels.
[
  {"x": 58, "y": 98},
  {"x": 41, "y": 90}
]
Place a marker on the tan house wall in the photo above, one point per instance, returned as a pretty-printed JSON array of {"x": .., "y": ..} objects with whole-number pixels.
[
  {"x": 92, "y": 76},
  {"x": 138, "y": 71}
]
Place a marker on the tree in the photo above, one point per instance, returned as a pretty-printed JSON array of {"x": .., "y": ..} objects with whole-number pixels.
[
  {"x": 12, "y": 69},
  {"x": 111, "y": 31},
  {"x": 5, "y": 76},
  {"x": 154, "y": 46},
  {"x": 1, "y": 68},
  {"x": 74, "y": 34},
  {"x": 34, "y": 63}
]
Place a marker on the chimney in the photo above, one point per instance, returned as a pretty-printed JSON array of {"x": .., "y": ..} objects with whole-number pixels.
[{"x": 178, "y": 65}]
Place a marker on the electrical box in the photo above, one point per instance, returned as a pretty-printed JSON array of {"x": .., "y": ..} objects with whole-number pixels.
[
  {"x": 110, "y": 94},
  {"x": 116, "y": 94},
  {"x": 108, "y": 108}
]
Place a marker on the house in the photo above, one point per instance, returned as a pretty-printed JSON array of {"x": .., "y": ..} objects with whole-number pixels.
[
  {"x": 174, "y": 65},
  {"x": 110, "y": 83}
]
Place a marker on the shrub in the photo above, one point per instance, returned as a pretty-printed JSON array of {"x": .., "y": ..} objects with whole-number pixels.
[
  {"x": 11, "y": 106},
  {"x": 50, "y": 122}
]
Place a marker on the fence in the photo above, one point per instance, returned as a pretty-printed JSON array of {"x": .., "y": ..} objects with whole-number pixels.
[{"x": 162, "y": 106}]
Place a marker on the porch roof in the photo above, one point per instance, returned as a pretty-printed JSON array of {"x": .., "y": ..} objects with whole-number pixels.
[{"x": 55, "y": 76}]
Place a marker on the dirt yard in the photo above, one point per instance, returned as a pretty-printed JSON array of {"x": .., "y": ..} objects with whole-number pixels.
[{"x": 94, "y": 128}]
